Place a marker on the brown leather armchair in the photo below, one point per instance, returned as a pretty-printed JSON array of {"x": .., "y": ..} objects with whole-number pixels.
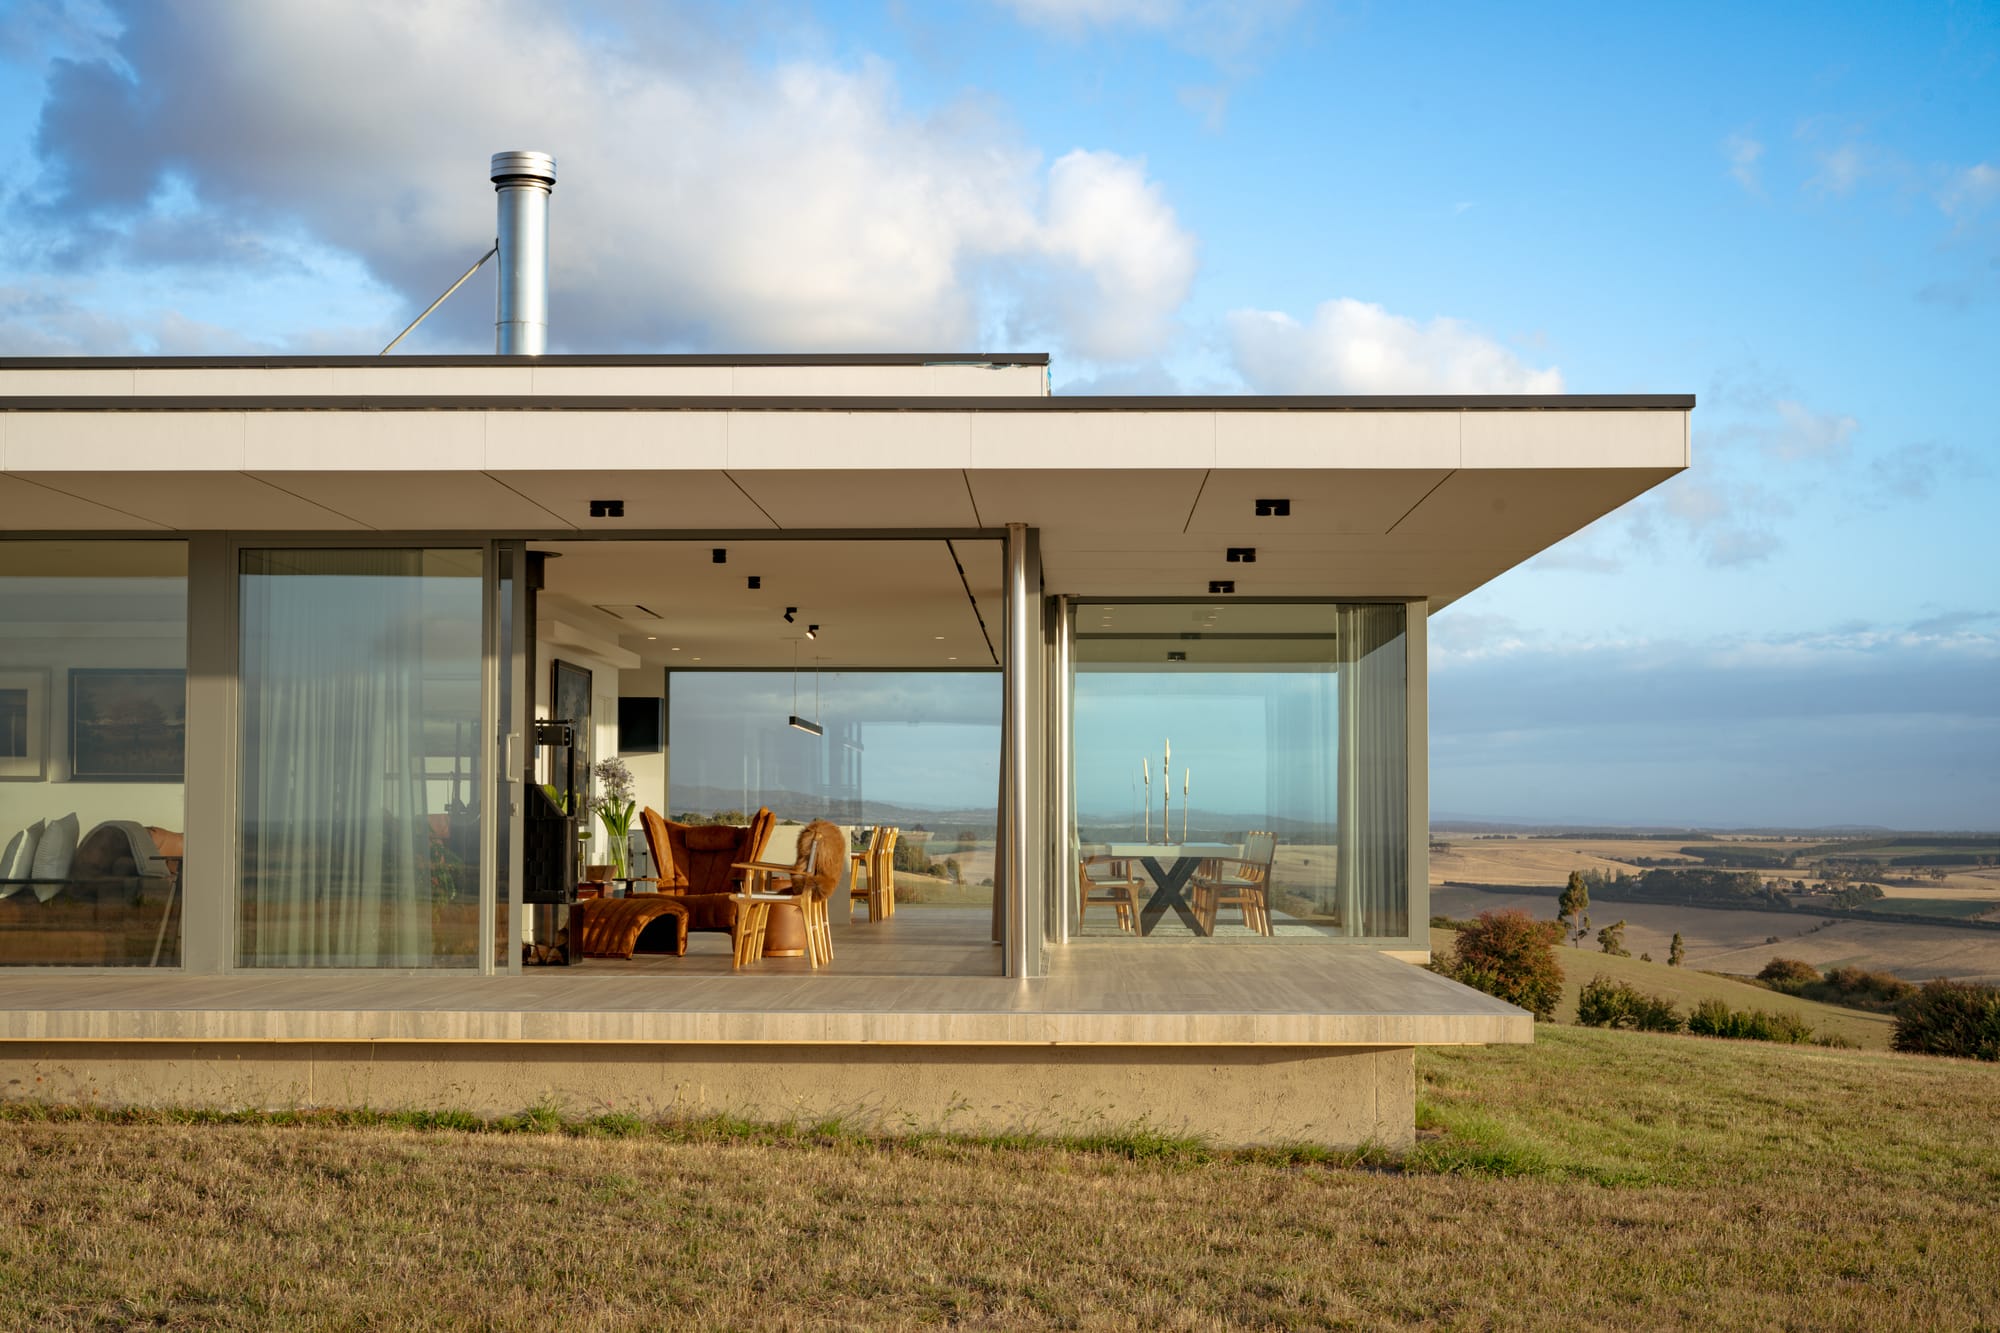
[{"x": 696, "y": 862}]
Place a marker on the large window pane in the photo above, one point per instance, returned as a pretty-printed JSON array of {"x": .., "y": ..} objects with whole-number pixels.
[
  {"x": 919, "y": 750},
  {"x": 93, "y": 729},
  {"x": 1283, "y": 809},
  {"x": 359, "y": 758}
]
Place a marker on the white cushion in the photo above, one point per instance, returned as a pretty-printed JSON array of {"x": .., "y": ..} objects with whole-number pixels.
[
  {"x": 18, "y": 862},
  {"x": 58, "y": 849}
]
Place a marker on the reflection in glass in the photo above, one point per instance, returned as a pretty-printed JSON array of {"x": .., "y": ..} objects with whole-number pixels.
[
  {"x": 93, "y": 744},
  {"x": 359, "y": 758},
  {"x": 1244, "y": 766},
  {"x": 919, "y": 750}
]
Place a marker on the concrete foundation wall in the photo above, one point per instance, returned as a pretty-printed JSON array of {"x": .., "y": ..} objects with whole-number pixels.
[{"x": 1340, "y": 1096}]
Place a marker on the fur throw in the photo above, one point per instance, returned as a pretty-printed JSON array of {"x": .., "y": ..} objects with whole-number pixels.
[{"x": 822, "y": 856}]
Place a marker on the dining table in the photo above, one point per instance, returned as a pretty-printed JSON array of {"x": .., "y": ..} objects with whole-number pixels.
[{"x": 1170, "y": 865}]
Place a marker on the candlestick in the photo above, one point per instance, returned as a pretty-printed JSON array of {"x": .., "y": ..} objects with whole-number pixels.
[{"x": 1167, "y": 793}]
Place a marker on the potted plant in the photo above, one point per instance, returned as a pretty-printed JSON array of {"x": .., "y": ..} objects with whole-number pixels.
[{"x": 614, "y": 805}]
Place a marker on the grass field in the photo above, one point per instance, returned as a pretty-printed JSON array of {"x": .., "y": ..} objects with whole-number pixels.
[
  {"x": 1687, "y": 987},
  {"x": 1731, "y": 941},
  {"x": 1593, "y": 1179}
]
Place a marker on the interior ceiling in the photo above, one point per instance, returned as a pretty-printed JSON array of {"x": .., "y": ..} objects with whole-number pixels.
[{"x": 900, "y": 604}]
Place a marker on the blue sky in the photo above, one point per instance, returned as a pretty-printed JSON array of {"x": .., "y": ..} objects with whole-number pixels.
[{"x": 1793, "y": 212}]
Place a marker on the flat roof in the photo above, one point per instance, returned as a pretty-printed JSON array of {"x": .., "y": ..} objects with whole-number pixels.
[
  {"x": 556, "y": 359},
  {"x": 478, "y": 402}
]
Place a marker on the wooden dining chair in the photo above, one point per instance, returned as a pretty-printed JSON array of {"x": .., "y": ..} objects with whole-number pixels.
[
  {"x": 1116, "y": 887},
  {"x": 863, "y": 885},
  {"x": 882, "y": 870},
  {"x": 1242, "y": 882}
]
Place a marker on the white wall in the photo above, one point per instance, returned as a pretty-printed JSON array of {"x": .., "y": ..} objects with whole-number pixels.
[{"x": 54, "y": 650}]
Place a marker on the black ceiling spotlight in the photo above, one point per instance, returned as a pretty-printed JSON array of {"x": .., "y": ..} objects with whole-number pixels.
[
  {"x": 1274, "y": 509},
  {"x": 1221, "y": 585},
  {"x": 607, "y": 509},
  {"x": 1177, "y": 657},
  {"x": 812, "y": 631},
  {"x": 1241, "y": 555},
  {"x": 719, "y": 555},
  {"x": 756, "y": 582},
  {"x": 790, "y": 611}
]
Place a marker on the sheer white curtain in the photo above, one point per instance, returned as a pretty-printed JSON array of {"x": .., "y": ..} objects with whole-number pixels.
[
  {"x": 1372, "y": 881},
  {"x": 336, "y": 834}
]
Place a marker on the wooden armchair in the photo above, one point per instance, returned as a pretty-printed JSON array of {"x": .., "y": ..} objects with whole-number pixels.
[
  {"x": 1242, "y": 882},
  {"x": 697, "y": 863}
]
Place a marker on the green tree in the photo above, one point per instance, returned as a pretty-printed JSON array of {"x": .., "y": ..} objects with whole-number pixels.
[
  {"x": 1612, "y": 939},
  {"x": 1573, "y": 908},
  {"x": 1677, "y": 953}
]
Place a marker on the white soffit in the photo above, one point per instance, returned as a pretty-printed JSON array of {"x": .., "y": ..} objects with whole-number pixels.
[
  {"x": 418, "y": 501},
  {"x": 1350, "y": 500},
  {"x": 1525, "y": 504},
  {"x": 878, "y": 603},
  {"x": 658, "y": 500},
  {"x": 814, "y": 498},
  {"x": 27, "y": 507},
  {"x": 1100, "y": 500},
  {"x": 199, "y": 501}
]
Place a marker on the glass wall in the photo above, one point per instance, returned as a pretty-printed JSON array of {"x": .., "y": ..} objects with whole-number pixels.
[
  {"x": 93, "y": 743},
  {"x": 1241, "y": 770},
  {"x": 359, "y": 758},
  {"x": 919, "y": 750}
]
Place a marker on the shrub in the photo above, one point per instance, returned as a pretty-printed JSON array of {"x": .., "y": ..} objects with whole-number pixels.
[
  {"x": 1509, "y": 955},
  {"x": 1959, "y": 1018},
  {"x": 1612, "y": 939},
  {"x": 1788, "y": 974},
  {"x": 1714, "y": 1018},
  {"x": 1605, "y": 1003},
  {"x": 1858, "y": 988}
]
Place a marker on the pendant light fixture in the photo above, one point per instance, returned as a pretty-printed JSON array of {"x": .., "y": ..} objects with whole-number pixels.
[{"x": 797, "y": 723}]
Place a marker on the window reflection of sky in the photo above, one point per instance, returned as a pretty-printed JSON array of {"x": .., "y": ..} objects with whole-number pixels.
[{"x": 924, "y": 739}]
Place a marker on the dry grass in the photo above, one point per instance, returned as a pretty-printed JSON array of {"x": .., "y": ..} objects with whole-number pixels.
[
  {"x": 1730, "y": 941},
  {"x": 1687, "y": 987},
  {"x": 1592, "y": 1180}
]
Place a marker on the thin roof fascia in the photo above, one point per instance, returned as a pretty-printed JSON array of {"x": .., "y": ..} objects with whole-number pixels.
[
  {"x": 511, "y": 362},
  {"x": 486, "y": 402}
]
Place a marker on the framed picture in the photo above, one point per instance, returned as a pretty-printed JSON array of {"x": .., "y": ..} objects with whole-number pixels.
[
  {"x": 127, "y": 724},
  {"x": 24, "y": 725},
  {"x": 569, "y": 701}
]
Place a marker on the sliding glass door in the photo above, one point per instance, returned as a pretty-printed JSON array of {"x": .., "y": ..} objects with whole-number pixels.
[
  {"x": 359, "y": 758},
  {"x": 1241, "y": 770}
]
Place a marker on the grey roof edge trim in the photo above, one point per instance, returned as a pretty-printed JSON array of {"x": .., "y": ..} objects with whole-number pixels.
[
  {"x": 1574, "y": 402},
  {"x": 492, "y": 361}
]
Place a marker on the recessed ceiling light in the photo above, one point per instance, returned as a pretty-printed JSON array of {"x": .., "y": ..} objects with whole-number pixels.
[
  {"x": 675, "y": 650},
  {"x": 951, "y": 659},
  {"x": 651, "y": 637},
  {"x": 937, "y": 638}
]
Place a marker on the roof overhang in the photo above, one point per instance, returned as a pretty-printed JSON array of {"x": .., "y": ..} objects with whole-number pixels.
[{"x": 1409, "y": 496}]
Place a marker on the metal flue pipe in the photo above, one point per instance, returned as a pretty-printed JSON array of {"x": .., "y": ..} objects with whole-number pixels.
[{"x": 521, "y": 320}]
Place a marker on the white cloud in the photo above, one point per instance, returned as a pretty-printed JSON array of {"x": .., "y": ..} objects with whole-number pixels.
[
  {"x": 1076, "y": 16},
  {"x": 1742, "y": 152},
  {"x": 704, "y": 200},
  {"x": 1220, "y": 29},
  {"x": 1803, "y": 435},
  {"x": 1840, "y": 170},
  {"x": 1123, "y": 263},
  {"x": 1968, "y": 192},
  {"x": 1356, "y": 347}
]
